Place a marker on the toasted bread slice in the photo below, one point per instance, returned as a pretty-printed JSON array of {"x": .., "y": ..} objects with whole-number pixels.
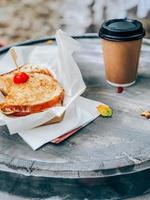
[{"x": 40, "y": 92}]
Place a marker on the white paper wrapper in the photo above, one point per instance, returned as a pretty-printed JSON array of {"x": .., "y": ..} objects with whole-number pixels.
[
  {"x": 59, "y": 60},
  {"x": 80, "y": 112}
]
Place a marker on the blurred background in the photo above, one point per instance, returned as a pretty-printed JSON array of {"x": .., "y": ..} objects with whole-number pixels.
[{"x": 28, "y": 19}]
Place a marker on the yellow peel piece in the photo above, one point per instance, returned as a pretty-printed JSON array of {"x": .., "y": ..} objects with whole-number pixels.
[{"x": 104, "y": 110}]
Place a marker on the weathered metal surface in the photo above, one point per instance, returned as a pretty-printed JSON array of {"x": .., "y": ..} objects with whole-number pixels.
[
  {"x": 21, "y": 187},
  {"x": 106, "y": 147}
]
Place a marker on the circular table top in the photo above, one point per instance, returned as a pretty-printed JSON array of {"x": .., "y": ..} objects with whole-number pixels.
[{"x": 105, "y": 147}]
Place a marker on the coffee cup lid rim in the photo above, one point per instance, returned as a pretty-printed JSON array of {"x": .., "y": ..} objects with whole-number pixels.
[{"x": 122, "y": 30}]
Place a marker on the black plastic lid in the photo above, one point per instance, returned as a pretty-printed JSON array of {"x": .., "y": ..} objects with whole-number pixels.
[{"x": 122, "y": 30}]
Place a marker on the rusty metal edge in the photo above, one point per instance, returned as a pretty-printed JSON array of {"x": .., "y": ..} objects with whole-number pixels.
[{"x": 45, "y": 39}]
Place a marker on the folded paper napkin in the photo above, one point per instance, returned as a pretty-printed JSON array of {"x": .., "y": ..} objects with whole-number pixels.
[
  {"x": 82, "y": 111},
  {"x": 59, "y": 60},
  {"x": 78, "y": 110}
]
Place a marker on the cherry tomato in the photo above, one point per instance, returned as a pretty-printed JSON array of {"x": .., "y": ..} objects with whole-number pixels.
[{"x": 20, "y": 77}]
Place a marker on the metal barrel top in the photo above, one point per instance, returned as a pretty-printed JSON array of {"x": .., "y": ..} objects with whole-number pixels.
[{"x": 106, "y": 148}]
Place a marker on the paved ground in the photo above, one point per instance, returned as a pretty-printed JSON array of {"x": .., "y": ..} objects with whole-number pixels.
[
  {"x": 26, "y": 19},
  {"x": 21, "y": 20}
]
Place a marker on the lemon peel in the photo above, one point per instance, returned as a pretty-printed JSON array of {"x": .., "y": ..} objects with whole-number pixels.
[{"x": 104, "y": 110}]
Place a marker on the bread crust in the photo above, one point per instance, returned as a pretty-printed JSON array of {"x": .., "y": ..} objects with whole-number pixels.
[
  {"x": 22, "y": 110},
  {"x": 26, "y": 109}
]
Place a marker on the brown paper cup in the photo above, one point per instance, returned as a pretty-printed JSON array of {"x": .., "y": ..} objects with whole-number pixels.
[
  {"x": 121, "y": 41},
  {"x": 121, "y": 61}
]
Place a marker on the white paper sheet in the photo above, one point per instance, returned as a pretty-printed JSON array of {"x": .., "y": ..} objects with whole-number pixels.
[
  {"x": 81, "y": 111},
  {"x": 59, "y": 60}
]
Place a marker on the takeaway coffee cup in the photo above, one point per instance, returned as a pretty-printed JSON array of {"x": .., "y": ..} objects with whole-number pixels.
[{"x": 121, "y": 41}]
